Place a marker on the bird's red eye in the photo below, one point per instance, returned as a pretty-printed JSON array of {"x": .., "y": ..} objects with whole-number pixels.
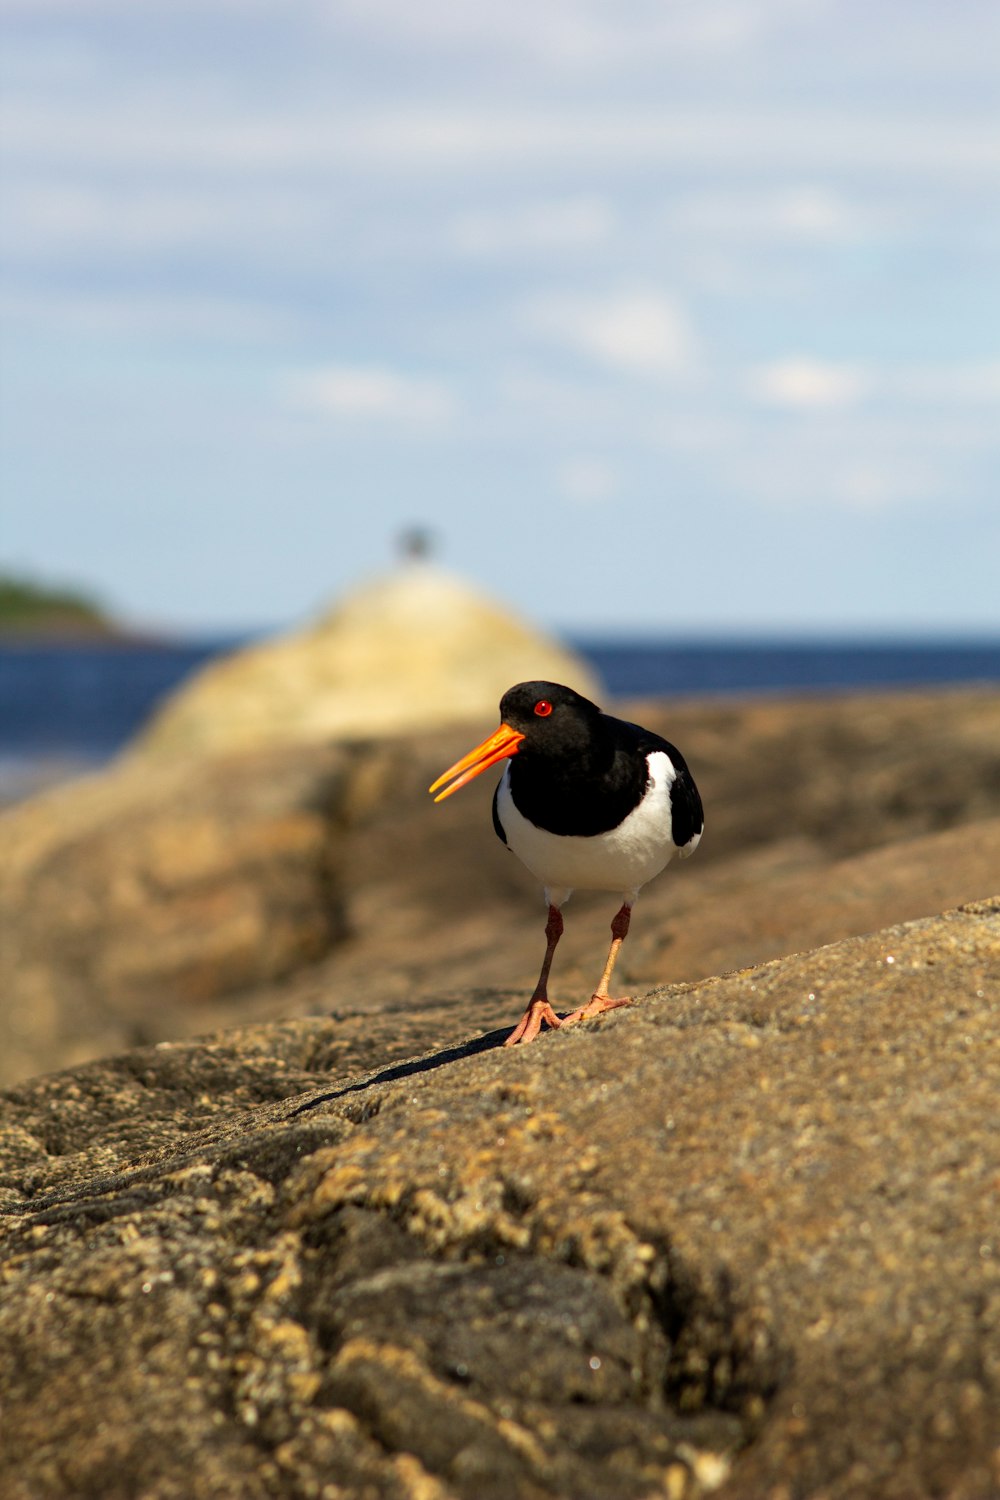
[{"x": 543, "y": 708}]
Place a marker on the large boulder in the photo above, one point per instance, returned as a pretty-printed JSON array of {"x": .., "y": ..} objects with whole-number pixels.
[
  {"x": 410, "y": 652},
  {"x": 739, "y": 1239},
  {"x": 132, "y": 898}
]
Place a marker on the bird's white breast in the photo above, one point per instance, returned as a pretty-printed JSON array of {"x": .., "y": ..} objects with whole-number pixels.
[{"x": 623, "y": 859}]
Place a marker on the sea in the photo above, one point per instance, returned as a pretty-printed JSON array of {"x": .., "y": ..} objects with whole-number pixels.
[{"x": 65, "y": 709}]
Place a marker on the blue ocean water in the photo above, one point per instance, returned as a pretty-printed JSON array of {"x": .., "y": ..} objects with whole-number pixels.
[
  {"x": 63, "y": 708},
  {"x": 636, "y": 668}
]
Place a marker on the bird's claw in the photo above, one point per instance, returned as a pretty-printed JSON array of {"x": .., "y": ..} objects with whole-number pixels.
[
  {"x": 538, "y": 1014},
  {"x": 595, "y": 1006}
]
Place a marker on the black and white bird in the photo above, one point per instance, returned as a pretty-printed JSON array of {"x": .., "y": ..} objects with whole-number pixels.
[{"x": 587, "y": 802}]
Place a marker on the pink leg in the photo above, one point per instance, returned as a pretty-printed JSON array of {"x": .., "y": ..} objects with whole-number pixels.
[
  {"x": 539, "y": 1012},
  {"x": 599, "y": 1000}
]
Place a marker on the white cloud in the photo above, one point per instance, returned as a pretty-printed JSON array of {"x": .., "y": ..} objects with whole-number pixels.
[
  {"x": 371, "y": 395},
  {"x": 874, "y": 486},
  {"x": 809, "y": 213},
  {"x": 808, "y": 384},
  {"x": 973, "y": 383},
  {"x": 207, "y": 129},
  {"x": 556, "y": 225},
  {"x": 875, "y": 458},
  {"x": 587, "y": 481},
  {"x": 640, "y": 332},
  {"x": 817, "y": 385},
  {"x": 571, "y": 35},
  {"x": 848, "y": 468}
]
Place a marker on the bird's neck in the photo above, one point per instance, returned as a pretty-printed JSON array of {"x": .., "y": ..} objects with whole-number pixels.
[{"x": 583, "y": 760}]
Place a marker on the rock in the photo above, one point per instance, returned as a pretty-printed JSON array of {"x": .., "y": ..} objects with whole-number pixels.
[
  {"x": 162, "y": 900},
  {"x": 440, "y": 908},
  {"x": 739, "y": 1239},
  {"x": 848, "y": 772},
  {"x": 413, "y": 651},
  {"x": 135, "y": 896}
]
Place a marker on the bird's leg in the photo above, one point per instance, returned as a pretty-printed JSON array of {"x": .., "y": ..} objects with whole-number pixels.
[
  {"x": 539, "y": 1012},
  {"x": 599, "y": 1000}
]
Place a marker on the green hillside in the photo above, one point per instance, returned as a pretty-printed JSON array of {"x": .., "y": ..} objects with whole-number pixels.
[{"x": 28, "y": 608}]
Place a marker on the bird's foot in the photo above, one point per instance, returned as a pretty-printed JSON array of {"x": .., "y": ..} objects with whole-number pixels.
[
  {"x": 595, "y": 1006},
  {"x": 538, "y": 1014}
]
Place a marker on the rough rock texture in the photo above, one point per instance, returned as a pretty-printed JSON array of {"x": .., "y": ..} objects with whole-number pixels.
[
  {"x": 410, "y": 652},
  {"x": 165, "y": 900},
  {"x": 740, "y": 1238}
]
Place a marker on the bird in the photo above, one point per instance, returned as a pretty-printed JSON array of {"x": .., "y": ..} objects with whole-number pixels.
[{"x": 586, "y": 802}]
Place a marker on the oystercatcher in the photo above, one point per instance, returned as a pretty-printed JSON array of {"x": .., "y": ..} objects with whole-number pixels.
[{"x": 586, "y": 802}]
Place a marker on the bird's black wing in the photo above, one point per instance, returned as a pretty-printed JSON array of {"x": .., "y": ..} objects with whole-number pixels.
[{"x": 687, "y": 816}]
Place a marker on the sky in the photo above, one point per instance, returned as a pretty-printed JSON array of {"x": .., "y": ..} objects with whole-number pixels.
[{"x": 673, "y": 319}]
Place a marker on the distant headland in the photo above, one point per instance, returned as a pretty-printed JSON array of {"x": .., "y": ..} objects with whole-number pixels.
[{"x": 29, "y": 609}]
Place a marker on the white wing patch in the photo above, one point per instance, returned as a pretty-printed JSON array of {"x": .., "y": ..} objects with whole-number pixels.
[{"x": 623, "y": 859}]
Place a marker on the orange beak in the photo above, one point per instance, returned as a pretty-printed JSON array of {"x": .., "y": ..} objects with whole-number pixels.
[{"x": 500, "y": 745}]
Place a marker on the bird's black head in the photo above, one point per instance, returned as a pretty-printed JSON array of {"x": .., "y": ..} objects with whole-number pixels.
[
  {"x": 538, "y": 719},
  {"x": 553, "y": 719}
]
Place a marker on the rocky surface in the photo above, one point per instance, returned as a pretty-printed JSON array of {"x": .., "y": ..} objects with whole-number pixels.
[
  {"x": 165, "y": 899},
  {"x": 740, "y": 1238},
  {"x": 411, "y": 651},
  {"x": 130, "y": 899}
]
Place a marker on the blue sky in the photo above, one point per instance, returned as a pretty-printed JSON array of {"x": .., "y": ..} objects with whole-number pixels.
[{"x": 676, "y": 318}]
